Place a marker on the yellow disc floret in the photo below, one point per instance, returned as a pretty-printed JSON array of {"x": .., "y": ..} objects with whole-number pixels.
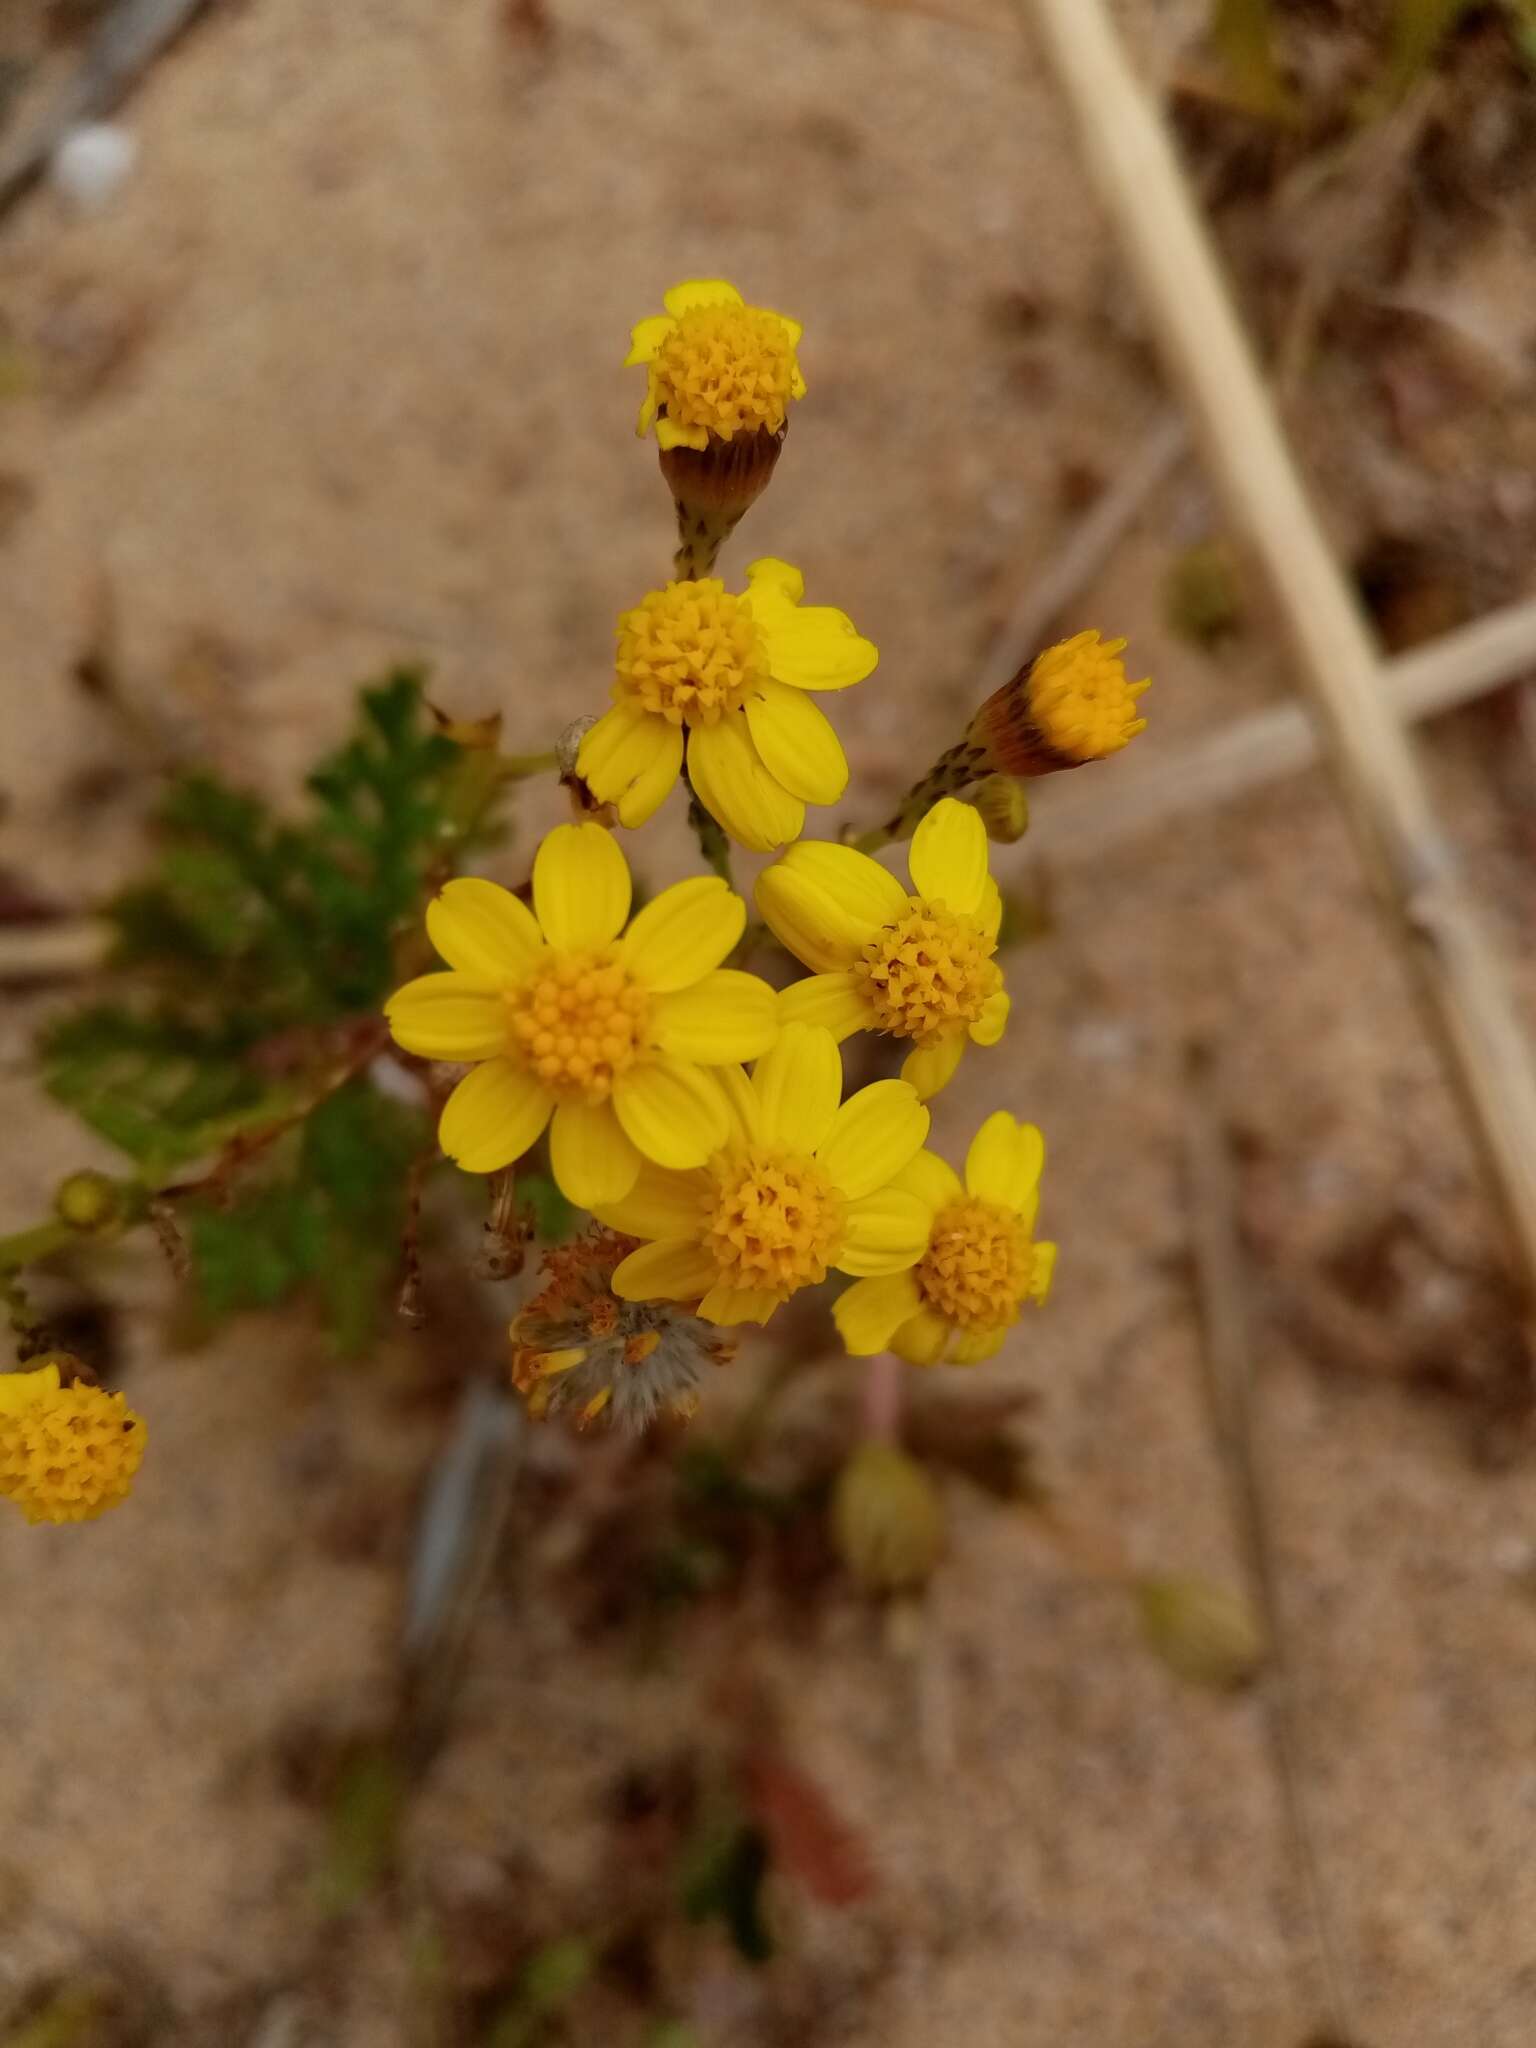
[
  {"x": 979, "y": 1264},
  {"x": 66, "y": 1453},
  {"x": 689, "y": 652},
  {"x": 579, "y": 1022},
  {"x": 928, "y": 972},
  {"x": 726, "y": 370},
  {"x": 1080, "y": 701},
  {"x": 776, "y": 1221}
]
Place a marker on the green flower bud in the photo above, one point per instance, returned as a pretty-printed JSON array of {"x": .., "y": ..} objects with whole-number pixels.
[
  {"x": 887, "y": 1519},
  {"x": 1202, "y": 1632}
]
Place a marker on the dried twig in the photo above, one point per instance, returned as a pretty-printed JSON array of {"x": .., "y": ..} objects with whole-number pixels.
[
  {"x": 1411, "y": 865},
  {"x": 1083, "y": 815},
  {"x": 1227, "y": 1357}
]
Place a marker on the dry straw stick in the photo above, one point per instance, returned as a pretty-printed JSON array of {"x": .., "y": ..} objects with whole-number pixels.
[{"x": 1407, "y": 857}]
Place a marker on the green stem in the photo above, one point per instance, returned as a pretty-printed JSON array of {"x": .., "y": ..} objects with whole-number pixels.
[
  {"x": 515, "y": 767},
  {"x": 25, "y": 1247},
  {"x": 713, "y": 844}
]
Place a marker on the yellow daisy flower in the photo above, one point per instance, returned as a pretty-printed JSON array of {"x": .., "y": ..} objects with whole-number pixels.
[
  {"x": 67, "y": 1454},
  {"x": 715, "y": 366},
  {"x": 1073, "y": 704},
  {"x": 979, "y": 1266},
  {"x": 918, "y": 966},
  {"x": 800, "y": 1185},
  {"x": 609, "y": 1035},
  {"x": 733, "y": 672}
]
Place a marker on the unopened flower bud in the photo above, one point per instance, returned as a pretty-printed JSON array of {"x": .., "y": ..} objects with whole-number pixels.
[
  {"x": 1202, "y": 1632},
  {"x": 887, "y": 1519},
  {"x": 1004, "y": 808},
  {"x": 89, "y": 1202}
]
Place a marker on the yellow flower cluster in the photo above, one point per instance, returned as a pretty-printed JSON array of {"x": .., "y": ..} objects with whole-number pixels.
[
  {"x": 699, "y": 1114},
  {"x": 67, "y": 1453}
]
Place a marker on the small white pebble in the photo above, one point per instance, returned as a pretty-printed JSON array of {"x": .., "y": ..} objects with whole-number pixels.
[
  {"x": 91, "y": 163},
  {"x": 398, "y": 1083},
  {"x": 1104, "y": 1040}
]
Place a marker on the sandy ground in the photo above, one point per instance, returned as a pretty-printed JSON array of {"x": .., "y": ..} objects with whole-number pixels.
[{"x": 332, "y": 383}]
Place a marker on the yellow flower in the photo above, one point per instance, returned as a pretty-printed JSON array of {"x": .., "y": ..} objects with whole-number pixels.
[
  {"x": 611, "y": 1035},
  {"x": 67, "y": 1454},
  {"x": 800, "y": 1185},
  {"x": 715, "y": 366},
  {"x": 1072, "y": 705},
  {"x": 734, "y": 671},
  {"x": 918, "y": 966},
  {"x": 979, "y": 1266}
]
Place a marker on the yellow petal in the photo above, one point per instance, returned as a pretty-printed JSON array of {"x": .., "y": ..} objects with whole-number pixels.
[
  {"x": 670, "y": 435},
  {"x": 810, "y": 647},
  {"x": 797, "y": 1085},
  {"x": 932, "y": 1179},
  {"x": 672, "y": 1111},
  {"x": 21, "y": 1390},
  {"x": 580, "y": 886},
  {"x": 869, "y": 1312},
  {"x": 590, "y": 1156},
  {"x": 675, "y": 1269},
  {"x": 993, "y": 1021},
  {"x": 631, "y": 758},
  {"x": 1004, "y": 1162},
  {"x": 484, "y": 930},
  {"x": 835, "y": 1001},
  {"x": 660, "y": 1204},
  {"x": 948, "y": 860},
  {"x": 1044, "y": 1273},
  {"x": 700, "y": 291},
  {"x": 825, "y": 903},
  {"x": 727, "y": 1016},
  {"x": 742, "y": 1111},
  {"x": 732, "y": 784},
  {"x": 873, "y": 1136},
  {"x": 683, "y": 933},
  {"x": 989, "y": 914},
  {"x": 887, "y": 1232},
  {"x": 796, "y": 742},
  {"x": 448, "y": 1017},
  {"x": 922, "y": 1340},
  {"x": 769, "y": 577},
  {"x": 977, "y": 1346},
  {"x": 728, "y": 1305},
  {"x": 931, "y": 1067},
  {"x": 863, "y": 889},
  {"x": 646, "y": 337},
  {"x": 493, "y": 1116}
]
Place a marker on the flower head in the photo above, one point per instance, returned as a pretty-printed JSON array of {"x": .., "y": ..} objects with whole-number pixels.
[
  {"x": 577, "y": 1349},
  {"x": 799, "y": 1186},
  {"x": 918, "y": 966},
  {"x": 732, "y": 673},
  {"x": 979, "y": 1266},
  {"x": 568, "y": 1013},
  {"x": 67, "y": 1454},
  {"x": 1072, "y": 705},
  {"x": 715, "y": 366}
]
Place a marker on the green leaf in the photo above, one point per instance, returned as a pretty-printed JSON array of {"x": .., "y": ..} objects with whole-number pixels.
[
  {"x": 723, "y": 1877},
  {"x": 1242, "y": 34},
  {"x": 328, "y": 1224},
  {"x": 162, "y": 1088}
]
